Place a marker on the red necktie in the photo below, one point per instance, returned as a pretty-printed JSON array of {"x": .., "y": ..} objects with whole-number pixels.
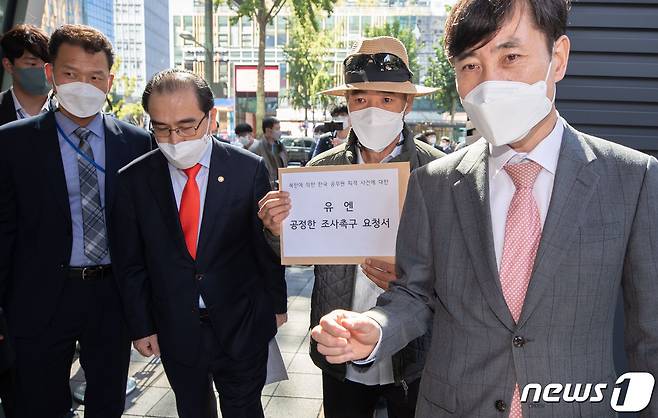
[{"x": 189, "y": 209}]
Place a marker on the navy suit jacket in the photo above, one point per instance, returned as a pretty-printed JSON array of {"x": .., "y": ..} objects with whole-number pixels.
[
  {"x": 240, "y": 278},
  {"x": 7, "y": 108},
  {"x": 35, "y": 218}
]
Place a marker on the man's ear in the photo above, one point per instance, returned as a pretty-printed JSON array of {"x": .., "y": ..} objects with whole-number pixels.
[
  {"x": 110, "y": 82},
  {"x": 8, "y": 66},
  {"x": 561, "y": 57},
  {"x": 410, "y": 104},
  {"x": 213, "y": 119},
  {"x": 48, "y": 68}
]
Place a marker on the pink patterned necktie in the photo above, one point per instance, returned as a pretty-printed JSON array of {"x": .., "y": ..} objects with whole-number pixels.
[{"x": 522, "y": 235}]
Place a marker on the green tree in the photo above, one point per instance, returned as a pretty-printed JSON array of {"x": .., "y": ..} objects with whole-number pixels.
[
  {"x": 263, "y": 12},
  {"x": 121, "y": 107},
  {"x": 307, "y": 71},
  {"x": 406, "y": 36},
  {"x": 441, "y": 74}
]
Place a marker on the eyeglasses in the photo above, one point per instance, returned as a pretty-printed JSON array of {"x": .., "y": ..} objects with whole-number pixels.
[
  {"x": 182, "y": 131},
  {"x": 376, "y": 67}
]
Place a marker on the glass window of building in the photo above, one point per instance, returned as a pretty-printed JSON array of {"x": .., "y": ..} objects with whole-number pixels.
[
  {"x": 223, "y": 29},
  {"x": 247, "y": 33},
  {"x": 281, "y": 25},
  {"x": 235, "y": 35},
  {"x": 270, "y": 34},
  {"x": 354, "y": 25}
]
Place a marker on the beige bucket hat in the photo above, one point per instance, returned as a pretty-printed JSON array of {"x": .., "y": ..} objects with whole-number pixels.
[{"x": 379, "y": 64}]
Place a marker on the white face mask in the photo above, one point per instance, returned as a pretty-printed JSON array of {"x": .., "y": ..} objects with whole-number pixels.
[
  {"x": 376, "y": 128},
  {"x": 185, "y": 154},
  {"x": 244, "y": 140},
  {"x": 432, "y": 140},
  {"x": 504, "y": 112},
  {"x": 80, "y": 99}
]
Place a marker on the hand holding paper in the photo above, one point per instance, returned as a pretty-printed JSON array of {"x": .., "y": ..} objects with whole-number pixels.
[{"x": 273, "y": 209}]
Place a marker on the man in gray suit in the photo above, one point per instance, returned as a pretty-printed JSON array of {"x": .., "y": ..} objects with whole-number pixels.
[{"x": 514, "y": 249}]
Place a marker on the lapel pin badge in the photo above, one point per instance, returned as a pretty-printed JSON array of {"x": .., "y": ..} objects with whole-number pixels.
[{"x": 220, "y": 179}]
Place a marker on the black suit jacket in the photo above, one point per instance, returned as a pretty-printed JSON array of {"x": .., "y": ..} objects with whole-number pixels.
[
  {"x": 7, "y": 108},
  {"x": 35, "y": 217},
  {"x": 240, "y": 278}
]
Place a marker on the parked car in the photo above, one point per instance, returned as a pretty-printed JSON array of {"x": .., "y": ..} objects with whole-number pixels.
[{"x": 299, "y": 149}]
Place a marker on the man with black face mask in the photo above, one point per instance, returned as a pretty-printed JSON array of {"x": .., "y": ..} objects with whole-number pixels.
[
  {"x": 25, "y": 52},
  {"x": 57, "y": 243}
]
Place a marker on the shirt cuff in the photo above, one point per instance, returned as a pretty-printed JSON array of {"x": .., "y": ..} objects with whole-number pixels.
[{"x": 373, "y": 356}]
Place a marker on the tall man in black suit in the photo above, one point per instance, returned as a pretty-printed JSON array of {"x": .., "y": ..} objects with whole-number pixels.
[
  {"x": 200, "y": 284},
  {"x": 24, "y": 55},
  {"x": 57, "y": 182}
]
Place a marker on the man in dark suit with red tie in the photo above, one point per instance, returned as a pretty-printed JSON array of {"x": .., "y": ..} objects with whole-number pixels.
[{"x": 201, "y": 287}]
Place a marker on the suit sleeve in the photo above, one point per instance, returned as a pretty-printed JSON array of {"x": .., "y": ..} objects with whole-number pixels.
[
  {"x": 273, "y": 271},
  {"x": 8, "y": 224},
  {"x": 130, "y": 264},
  {"x": 640, "y": 283},
  {"x": 404, "y": 312}
]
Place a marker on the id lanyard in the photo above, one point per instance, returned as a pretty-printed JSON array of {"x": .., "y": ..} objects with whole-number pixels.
[{"x": 78, "y": 150}]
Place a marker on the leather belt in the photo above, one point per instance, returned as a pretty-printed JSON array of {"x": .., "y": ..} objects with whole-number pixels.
[{"x": 90, "y": 272}]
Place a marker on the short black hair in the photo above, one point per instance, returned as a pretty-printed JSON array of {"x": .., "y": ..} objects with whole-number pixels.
[
  {"x": 339, "y": 110},
  {"x": 243, "y": 128},
  {"x": 90, "y": 39},
  {"x": 23, "y": 38},
  {"x": 429, "y": 132},
  {"x": 175, "y": 79},
  {"x": 473, "y": 23},
  {"x": 269, "y": 122},
  {"x": 318, "y": 128},
  {"x": 421, "y": 138}
]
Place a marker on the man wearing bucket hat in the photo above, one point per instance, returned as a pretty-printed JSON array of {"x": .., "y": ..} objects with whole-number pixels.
[{"x": 379, "y": 93}]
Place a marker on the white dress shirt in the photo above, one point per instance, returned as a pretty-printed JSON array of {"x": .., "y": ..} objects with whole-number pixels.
[
  {"x": 22, "y": 113},
  {"x": 501, "y": 189},
  {"x": 178, "y": 181}
]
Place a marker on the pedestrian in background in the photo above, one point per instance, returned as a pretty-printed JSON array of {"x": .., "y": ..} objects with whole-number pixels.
[
  {"x": 271, "y": 150},
  {"x": 24, "y": 55}
]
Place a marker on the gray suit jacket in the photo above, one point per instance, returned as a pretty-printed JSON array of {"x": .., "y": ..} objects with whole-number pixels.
[{"x": 600, "y": 236}]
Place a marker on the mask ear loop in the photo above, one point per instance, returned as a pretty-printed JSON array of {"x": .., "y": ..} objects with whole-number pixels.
[{"x": 548, "y": 72}]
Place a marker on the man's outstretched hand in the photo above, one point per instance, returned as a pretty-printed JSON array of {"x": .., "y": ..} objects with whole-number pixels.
[{"x": 344, "y": 336}]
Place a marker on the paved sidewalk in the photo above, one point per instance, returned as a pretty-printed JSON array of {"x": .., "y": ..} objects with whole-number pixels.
[{"x": 299, "y": 397}]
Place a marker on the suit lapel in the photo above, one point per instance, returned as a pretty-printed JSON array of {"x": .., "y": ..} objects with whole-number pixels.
[
  {"x": 471, "y": 194},
  {"x": 160, "y": 183},
  {"x": 51, "y": 155},
  {"x": 115, "y": 145},
  {"x": 575, "y": 183},
  {"x": 216, "y": 195}
]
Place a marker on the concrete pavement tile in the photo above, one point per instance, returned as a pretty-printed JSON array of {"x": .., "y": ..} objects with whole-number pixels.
[
  {"x": 297, "y": 328},
  {"x": 165, "y": 407},
  {"x": 289, "y": 343},
  {"x": 301, "y": 386},
  {"x": 300, "y": 304},
  {"x": 302, "y": 363},
  {"x": 293, "y": 407},
  {"x": 143, "y": 399}
]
